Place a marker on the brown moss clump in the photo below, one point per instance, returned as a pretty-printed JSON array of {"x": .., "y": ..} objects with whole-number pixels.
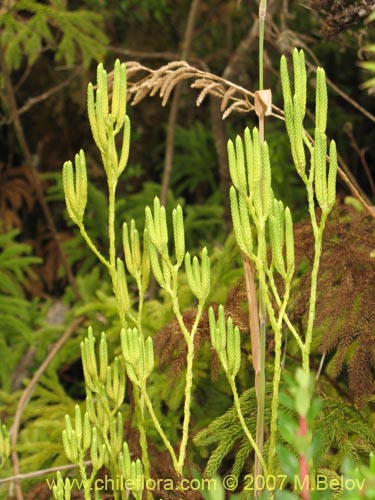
[{"x": 345, "y": 309}]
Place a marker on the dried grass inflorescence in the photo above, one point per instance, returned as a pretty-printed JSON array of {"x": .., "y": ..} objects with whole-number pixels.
[{"x": 144, "y": 81}]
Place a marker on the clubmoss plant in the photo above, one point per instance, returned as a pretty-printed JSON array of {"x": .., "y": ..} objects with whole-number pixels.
[
  {"x": 106, "y": 386},
  {"x": 259, "y": 219},
  {"x": 263, "y": 228}
]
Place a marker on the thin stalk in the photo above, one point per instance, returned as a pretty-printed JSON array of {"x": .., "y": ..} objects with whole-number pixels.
[
  {"x": 158, "y": 427},
  {"x": 314, "y": 283},
  {"x": 93, "y": 248},
  {"x": 188, "y": 390},
  {"x": 276, "y": 378},
  {"x": 262, "y": 17},
  {"x": 241, "y": 418},
  {"x": 187, "y": 404},
  {"x": 111, "y": 227},
  {"x": 142, "y": 436}
]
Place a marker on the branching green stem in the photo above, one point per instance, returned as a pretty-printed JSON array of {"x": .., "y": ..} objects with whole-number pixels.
[
  {"x": 277, "y": 328},
  {"x": 188, "y": 390},
  {"x": 158, "y": 427},
  {"x": 93, "y": 248},
  {"x": 314, "y": 283},
  {"x": 241, "y": 418}
]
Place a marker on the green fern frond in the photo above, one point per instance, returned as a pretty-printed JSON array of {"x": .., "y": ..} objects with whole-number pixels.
[
  {"x": 241, "y": 456},
  {"x": 347, "y": 431},
  {"x": 212, "y": 433},
  {"x": 15, "y": 263},
  {"x": 28, "y": 26},
  {"x": 227, "y": 441}
]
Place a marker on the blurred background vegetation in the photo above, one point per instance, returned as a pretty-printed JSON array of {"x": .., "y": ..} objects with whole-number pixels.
[{"x": 48, "y": 53}]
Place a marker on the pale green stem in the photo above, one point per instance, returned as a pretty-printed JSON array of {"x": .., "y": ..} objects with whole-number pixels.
[
  {"x": 276, "y": 377},
  {"x": 188, "y": 391},
  {"x": 314, "y": 283},
  {"x": 285, "y": 317},
  {"x": 241, "y": 418},
  {"x": 187, "y": 404},
  {"x": 262, "y": 16},
  {"x": 86, "y": 482},
  {"x": 189, "y": 339},
  {"x": 92, "y": 247},
  {"x": 142, "y": 436},
  {"x": 310, "y": 197},
  {"x": 111, "y": 226},
  {"x": 158, "y": 427}
]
